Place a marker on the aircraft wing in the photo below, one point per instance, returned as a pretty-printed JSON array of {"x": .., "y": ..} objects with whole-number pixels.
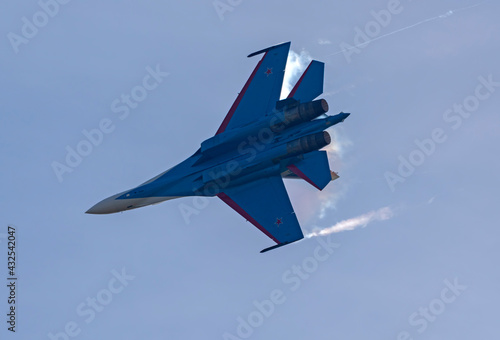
[
  {"x": 266, "y": 205},
  {"x": 261, "y": 91}
]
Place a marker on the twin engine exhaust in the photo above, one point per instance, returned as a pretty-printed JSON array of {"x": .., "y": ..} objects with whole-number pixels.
[
  {"x": 308, "y": 143},
  {"x": 299, "y": 114}
]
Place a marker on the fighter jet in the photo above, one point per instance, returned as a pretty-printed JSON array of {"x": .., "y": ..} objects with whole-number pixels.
[{"x": 261, "y": 141}]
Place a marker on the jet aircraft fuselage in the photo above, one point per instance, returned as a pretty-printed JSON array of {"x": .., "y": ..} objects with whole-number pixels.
[{"x": 261, "y": 141}]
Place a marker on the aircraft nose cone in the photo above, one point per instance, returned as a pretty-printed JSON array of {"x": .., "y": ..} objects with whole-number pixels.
[
  {"x": 106, "y": 206},
  {"x": 96, "y": 209}
]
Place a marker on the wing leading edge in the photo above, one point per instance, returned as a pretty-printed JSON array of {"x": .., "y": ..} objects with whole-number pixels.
[
  {"x": 266, "y": 205},
  {"x": 261, "y": 91}
]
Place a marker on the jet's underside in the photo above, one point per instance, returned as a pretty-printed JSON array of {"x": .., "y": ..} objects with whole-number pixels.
[{"x": 261, "y": 141}]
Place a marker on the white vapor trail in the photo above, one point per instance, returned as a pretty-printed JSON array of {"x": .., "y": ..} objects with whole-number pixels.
[
  {"x": 295, "y": 65},
  {"x": 329, "y": 198},
  {"x": 442, "y": 16},
  {"x": 356, "y": 222}
]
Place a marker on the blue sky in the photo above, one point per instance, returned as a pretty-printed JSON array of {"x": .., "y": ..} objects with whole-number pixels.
[{"x": 426, "y": 271}]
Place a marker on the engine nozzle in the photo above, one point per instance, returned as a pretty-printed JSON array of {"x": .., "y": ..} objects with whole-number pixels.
[
  {"x": 305, "y": 144},
  {"x": 299, "y": 114}
]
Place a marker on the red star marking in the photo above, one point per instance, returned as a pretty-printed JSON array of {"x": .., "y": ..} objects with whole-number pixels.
[
  {"x": 269, "y": 71},
  {"x": 279, "y": 221}
]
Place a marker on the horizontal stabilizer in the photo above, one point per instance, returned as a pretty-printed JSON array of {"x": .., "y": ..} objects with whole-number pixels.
[
  {"x": 314, "y": 169},
  {"x": 310, "y": 84}
]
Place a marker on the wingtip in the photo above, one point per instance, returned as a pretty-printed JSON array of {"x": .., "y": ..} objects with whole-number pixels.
[
  {"x": 273, "y": 247},
  {"x": 268, "y": 49},
  {"x": 279, "y": 245}
]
